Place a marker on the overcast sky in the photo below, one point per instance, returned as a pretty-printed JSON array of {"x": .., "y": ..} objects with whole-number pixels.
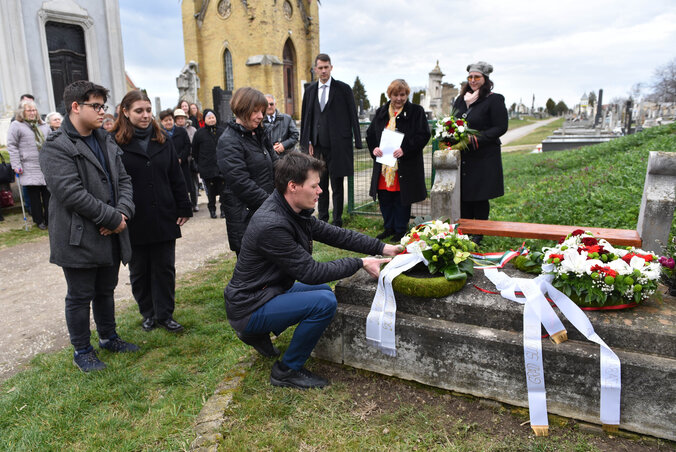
[{"x": 537, "y": 48}]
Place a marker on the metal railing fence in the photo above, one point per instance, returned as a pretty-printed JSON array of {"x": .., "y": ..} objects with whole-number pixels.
[{"x": 358, "y": 200}]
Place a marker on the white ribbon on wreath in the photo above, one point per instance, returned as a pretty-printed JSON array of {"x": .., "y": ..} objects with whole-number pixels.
[
  {"x": 382, "y": 317},
  {"x": 380, "y": 326},
  {"x": 537, "y": 310}
]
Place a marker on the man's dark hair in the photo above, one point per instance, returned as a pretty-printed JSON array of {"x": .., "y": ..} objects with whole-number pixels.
[
  {"x": 322, "y": 57},
  {"x": 27, "y": 96},
  {"x": 80, "y": 91},
  {"x": 294, "y": 167},
  {"x": 165, "y": 113}
]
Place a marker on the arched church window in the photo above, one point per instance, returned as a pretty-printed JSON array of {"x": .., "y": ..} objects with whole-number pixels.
[
  {"x": 227, "y": 66},
  {"x": 289, "y": 57}
]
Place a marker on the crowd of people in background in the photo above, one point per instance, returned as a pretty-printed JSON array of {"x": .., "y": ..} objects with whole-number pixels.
[{"x": 122, "y": 185}]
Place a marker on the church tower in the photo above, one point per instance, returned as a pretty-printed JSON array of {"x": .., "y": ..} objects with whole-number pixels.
[{"x": 267, "y": 44}]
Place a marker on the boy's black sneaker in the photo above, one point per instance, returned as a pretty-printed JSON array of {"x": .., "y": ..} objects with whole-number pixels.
[
  {"x": 117, "y": 345},
  {"x": 299, "y": 379},
  {"x": 88, "y": 361}
]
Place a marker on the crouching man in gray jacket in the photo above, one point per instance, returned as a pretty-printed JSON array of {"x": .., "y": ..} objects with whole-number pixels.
[
  {"x": 89, "y": 208},
  {"x": 277, "y": 283}
]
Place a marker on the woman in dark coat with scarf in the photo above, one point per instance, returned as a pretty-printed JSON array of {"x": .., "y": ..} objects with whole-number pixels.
[
  {"x": 400, "y": 186},
  {"x": 246, "y": 159},
  {"x": 162, "y": 207},
  {"x": 481, "y": 164},
  {"x": 204, "y": 152}
]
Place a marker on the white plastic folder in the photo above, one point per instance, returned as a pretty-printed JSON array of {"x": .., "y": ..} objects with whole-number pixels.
[{"x": 389, "y": 142}]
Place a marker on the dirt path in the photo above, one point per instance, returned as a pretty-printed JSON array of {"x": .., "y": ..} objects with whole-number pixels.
[
  {"x": 32, "y": 290},
  {"x": 515, "y": 134}
]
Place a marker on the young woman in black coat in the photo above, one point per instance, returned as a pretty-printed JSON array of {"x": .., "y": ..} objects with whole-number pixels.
[
  {"x": 204, "y": 152},
  {"x": 246, "y": 159},
  {"x": 481, "y": 164},
  {"x": 400, "y": 186},
  {"x": 162, "y": 207}
]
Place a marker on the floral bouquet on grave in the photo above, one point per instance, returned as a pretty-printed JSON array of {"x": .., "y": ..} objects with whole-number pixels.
[
  {"x": 593, "y": 273},
  {"x": 668, "y": 263},
  {"x": 446, "y": 250},
  {"x": 454, "y": 131}
]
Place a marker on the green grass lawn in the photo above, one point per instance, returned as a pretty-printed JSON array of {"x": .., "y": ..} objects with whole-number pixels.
[
  {"x": 149, "y": 400},
  {"x": 539, "y": 134}
]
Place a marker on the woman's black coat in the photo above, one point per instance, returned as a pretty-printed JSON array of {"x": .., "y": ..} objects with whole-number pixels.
[
  {"x": 481, "y": 169},
  {"x": 412, "y": 122},
  {"x": 183, "y": 148},
  {"x": 246, "y": 160},
  {"x": 160, "y": 193},
  {"x": 204, "y": 151}
]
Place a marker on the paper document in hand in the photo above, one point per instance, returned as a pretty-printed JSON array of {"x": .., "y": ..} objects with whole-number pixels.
[{"x": 389, "y": 142}]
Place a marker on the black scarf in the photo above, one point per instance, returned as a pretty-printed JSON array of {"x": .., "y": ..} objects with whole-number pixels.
[{"x": 143, "y": 136}]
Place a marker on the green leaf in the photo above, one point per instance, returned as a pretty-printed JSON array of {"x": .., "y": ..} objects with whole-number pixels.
[
  {"x": 451, "y": 272},
  {"x": 466, "y": 267}
]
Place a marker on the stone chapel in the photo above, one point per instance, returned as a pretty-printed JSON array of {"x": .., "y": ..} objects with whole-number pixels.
[{"x": 267, "y": 44}]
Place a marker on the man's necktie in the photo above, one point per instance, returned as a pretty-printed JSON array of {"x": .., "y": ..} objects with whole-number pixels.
[{"x": 322, "y": 99}]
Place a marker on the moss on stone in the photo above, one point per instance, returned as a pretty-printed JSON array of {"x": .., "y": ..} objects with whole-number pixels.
[{"x": 418, "y": 284}]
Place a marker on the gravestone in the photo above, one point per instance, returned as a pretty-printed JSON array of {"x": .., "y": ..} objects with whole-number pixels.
[{"x": 221, "y": 99}]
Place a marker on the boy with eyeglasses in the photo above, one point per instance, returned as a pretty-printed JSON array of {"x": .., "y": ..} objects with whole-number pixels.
[{"x": 90, "y": 205}]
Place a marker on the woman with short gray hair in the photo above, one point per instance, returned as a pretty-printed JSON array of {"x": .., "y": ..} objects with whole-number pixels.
[{"x": 54, "y": 119}]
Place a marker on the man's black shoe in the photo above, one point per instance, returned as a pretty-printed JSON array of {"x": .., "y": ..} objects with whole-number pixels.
[
  {"x": 148, "y": 324},
  {"x": 300, "y": 379},
  {"x": 385, "y": 234},
  {"x": 261, "y": 343},
  {"x": 170, "y": 325}
]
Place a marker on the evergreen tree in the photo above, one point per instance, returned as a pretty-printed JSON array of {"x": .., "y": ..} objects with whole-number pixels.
[
  {"x": 561, "y": 108},
  {"x": 360, "y": 94},
  {"x": 416, "y": 96},
  {"x": 591, "y": 99},
  {"x": 383, "y": 99},
  {"x": 550, "y": 105}
]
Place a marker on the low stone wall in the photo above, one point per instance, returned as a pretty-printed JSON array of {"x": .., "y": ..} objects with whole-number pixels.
[{"x": 471, "y": 342}]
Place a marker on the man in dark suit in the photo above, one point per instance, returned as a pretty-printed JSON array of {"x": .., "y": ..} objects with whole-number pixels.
[{"x": 328, "y": 122}]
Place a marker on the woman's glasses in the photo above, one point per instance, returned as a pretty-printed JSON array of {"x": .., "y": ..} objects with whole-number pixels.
[{"x": 474, "y": 77}]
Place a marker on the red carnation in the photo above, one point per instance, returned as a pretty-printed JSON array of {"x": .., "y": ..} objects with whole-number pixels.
[
  {"x": 577, "y": 232},
  {"x": 589, "y": 241},
  {"x": 554, "y": 256},
  {"x": 460, "y": 122},
  {"x": 593, "y": 249},
  {"x": 646, "y": 257},
  {"x": 627, "y": 257},
  {"x": 605, "y": 270},
  {"x": 561, "y": 240}
]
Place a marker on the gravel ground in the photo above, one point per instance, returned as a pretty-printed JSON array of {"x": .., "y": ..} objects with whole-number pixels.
[{"x": 32, "y": 290}]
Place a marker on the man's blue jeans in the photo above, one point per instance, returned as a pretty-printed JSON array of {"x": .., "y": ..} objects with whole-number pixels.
[{"x": 311, "y": 307}]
